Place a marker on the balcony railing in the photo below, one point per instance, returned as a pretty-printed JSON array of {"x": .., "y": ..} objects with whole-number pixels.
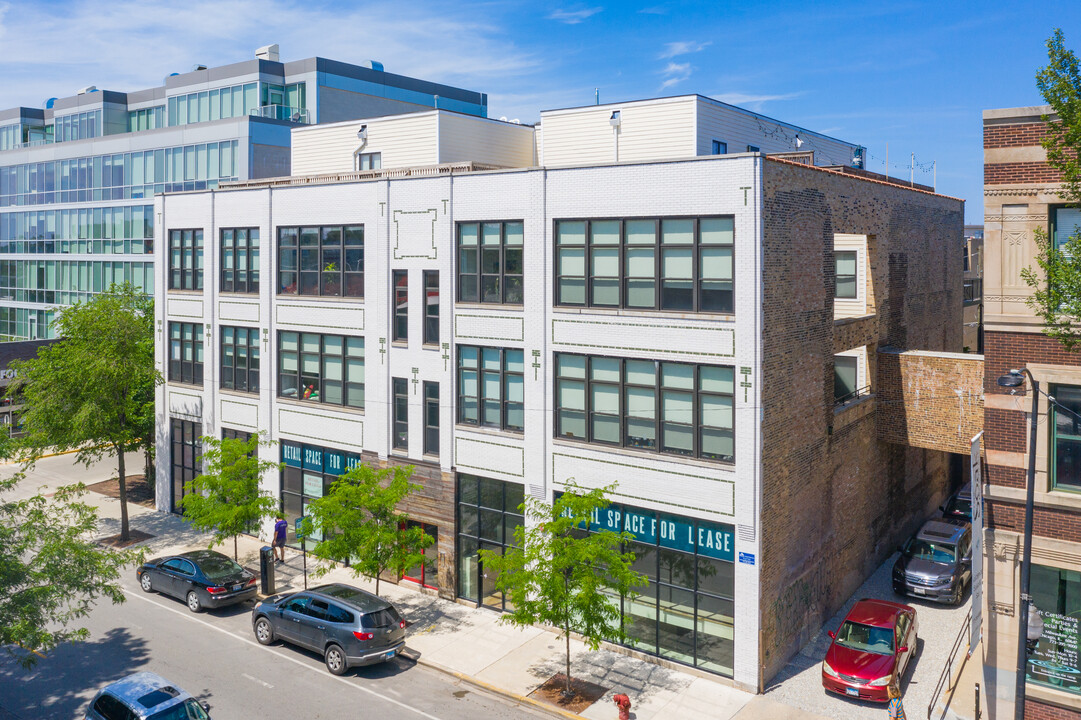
[
  {"x": 283, "y": 112},
  {"x": 852, "y": 396}
]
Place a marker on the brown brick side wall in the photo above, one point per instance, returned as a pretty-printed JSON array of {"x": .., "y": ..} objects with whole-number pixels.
[
  {"x": 1016, "y": 173},
  {"x": 1035, "y": 710},
  {"x": 1003, "y": 431},
  {"x": 1020, "y": 135},
  {"x": 1049, "y": 522},
  {"x": 815, "y": 482},
  {"x": 918, "y": 402}
]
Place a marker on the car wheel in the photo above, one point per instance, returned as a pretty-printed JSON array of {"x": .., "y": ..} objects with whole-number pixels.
[
  {"x": 193, "y": 602},
  {"x": 264, "y": 632},
  {"x": 958, "y": 594},
  {"x": 145, "y": 582},
  {"x": 335, "y": 659}
]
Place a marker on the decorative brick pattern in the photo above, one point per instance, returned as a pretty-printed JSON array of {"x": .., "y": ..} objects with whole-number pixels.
[
  {"x": 1019, "y": 135},
  {"x": 1017, "y": 173}
]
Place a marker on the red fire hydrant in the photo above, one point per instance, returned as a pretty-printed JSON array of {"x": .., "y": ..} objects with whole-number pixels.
[{"x": 624, "y": 704}]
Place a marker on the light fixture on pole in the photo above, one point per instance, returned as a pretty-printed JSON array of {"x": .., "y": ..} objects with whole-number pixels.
[{"x": 1014, "y": 379}]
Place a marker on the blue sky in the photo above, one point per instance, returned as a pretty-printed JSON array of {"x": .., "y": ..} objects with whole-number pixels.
[{"x": 915, "y": 75}]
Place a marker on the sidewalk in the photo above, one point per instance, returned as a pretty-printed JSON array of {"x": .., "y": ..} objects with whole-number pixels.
[{"x": 474, "y": 646}]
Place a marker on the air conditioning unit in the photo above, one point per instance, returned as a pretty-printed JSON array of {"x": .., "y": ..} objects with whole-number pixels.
[
  {"x": 268, "y": 52},
  {"x": 88, "y": 89}
]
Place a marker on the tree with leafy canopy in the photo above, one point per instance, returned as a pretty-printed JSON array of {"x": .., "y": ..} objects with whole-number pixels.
[
  {"x": 226, "y": 499},
  {"x": 560, "y": 574},
  {"x": 51, "y": 571},
  {"x": 1056, "y": 289},
  {"x": 358, "y": 522},
  {"x": 92, "y": 391}
]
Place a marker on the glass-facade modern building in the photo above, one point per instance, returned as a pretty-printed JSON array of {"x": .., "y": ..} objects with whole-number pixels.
[{"x": 78, "y": 175}]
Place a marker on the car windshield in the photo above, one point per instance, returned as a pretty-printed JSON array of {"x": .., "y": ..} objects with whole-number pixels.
[
  {"x": 866, "y": 638},
  {"x": 187, "y": 710},
  {"x": 959, "y": 506},
  {"x": 219, "y": 568},
  {"x": 942, "y": 553}
]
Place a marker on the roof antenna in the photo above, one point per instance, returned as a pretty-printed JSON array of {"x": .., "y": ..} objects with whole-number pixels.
[{"x": 596, "y": 96}]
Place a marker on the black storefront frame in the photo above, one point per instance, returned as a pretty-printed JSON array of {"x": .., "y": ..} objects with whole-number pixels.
[
  {"x": 185, "y": 447},
  {"x": 337, "y": 461},
  {"x": 477, "y": 536}
]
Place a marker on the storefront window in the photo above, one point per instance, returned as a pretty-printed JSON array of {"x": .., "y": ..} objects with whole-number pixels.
[
  {"x": 1066, "y": 458},
  {"x": 309, "y": 472},
  {"x": 1056, "y": 595},
  {"x": 488, "y": 514}
]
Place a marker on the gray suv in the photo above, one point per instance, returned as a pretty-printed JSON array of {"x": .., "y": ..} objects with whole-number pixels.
[
  {"x": 936, "y": 563},
  {"x": 145, "y": 696},
  {"x": 347, "y": 625}
]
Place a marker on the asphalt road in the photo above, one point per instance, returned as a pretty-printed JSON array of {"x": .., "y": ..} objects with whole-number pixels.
[{"x": 214, "y": 656}]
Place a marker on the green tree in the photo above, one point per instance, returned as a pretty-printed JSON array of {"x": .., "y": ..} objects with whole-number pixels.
[
  {"x": 51, "y": 571},
  {"x": 1056, "y": 289},
  {"x": 360, "y": 523},
  {"x": 92, "y": 391},
  {"x": 563, "y": 576},
  {"x": 226, "y": 498}
]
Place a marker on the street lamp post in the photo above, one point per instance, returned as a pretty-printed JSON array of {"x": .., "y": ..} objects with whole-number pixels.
[{"x": 1012, "y": 379}]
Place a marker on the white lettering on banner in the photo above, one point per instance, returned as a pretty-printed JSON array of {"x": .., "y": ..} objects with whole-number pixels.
[{"x": 9, "y": 374}]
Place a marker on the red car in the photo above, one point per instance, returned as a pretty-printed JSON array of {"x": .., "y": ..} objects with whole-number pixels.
[{"x": 870, "y": 650}]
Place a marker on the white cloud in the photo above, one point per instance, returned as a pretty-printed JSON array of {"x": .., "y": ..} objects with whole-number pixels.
[
  {"x": 573, "y": 17},
  {"x": 131, "y": 45},
  {"x": 683, "y": 47},
  {"x": 752, "y": 102},
  {"x": 675, "y": 73}
]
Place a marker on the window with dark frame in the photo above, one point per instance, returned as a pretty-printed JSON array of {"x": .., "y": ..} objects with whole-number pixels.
[
  {"x": 753, "y": 148},
  {"x": 230, "y": 434},
  {"x": 400, "y": 435},
  {"x": 185, "y": 259},
  {"x": 680, "y": 264},
  {"x": 400, "y": 289},
  {"x": 325, "y": 261},
  {"x": 1065, "y": 223},
  {"x": 719, "y": 148},
  {"x": 431, "y": 307},
  {"x": 326, "y": 369},
  {"x": 431, "y": 418},
  {"x": 490, "y": 262},
  {"x": 1065, "y": 414},
  {"x": 845, "y": 377},
  {"x": 186, "y": 456},
  {"x": 240, "y": 359},
  {"x": 845, "y": 270},
  {"x": 667, "y": 407},
  {"x": 491, "y": 389},
  {"x": 240, "y": 260},
  {"x": 186, "y": 353}
]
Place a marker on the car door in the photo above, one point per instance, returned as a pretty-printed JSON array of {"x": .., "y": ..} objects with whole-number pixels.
[
  {"x": 904, "y": 637},
  {"x": 168, "y": 576},
  {"x": 313, "y": 625},
  {"x": 291, "y": 612},
  {"x": 965, "y": 553},
  {"x": 184, "y": 578}
]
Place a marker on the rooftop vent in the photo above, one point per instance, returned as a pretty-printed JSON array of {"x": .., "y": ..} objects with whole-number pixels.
[
  {"x": 198, "y": 66},
  {"x": 48, "y": 104},
  {"x": 88, "y": 89},
  {"x": 267, "y": 52}
]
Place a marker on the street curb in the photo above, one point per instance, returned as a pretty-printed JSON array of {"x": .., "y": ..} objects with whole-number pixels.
[{"x": 497, "y": 690}]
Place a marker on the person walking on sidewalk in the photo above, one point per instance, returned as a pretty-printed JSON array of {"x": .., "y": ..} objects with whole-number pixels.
[
  {"x": 895, "y": 709},
  {"x": 279, "y": 538}
]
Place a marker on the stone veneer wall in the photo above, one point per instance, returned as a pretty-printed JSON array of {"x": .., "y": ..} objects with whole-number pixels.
[{"x": 836, "y": 499}]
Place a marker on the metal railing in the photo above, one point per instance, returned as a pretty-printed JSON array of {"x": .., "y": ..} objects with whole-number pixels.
[
  {"x": 331, "y": 178},
  {"x": 283, "y": 112},
  {"x": 852, "y": 396},
  {"x": 945, "y": 680}
]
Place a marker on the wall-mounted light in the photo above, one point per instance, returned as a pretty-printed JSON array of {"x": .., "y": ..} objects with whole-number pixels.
[
  {"x": 362, "y": 134},
  {"x": 615, "y": 120}
]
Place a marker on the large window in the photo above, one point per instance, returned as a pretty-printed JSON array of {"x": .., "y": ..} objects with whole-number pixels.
[
  {"x": 845, "y": 378},
  {"x": 686, "y": 611},
  {"x": 1065, "y": 223},
  {"x": 321, "y": 368},
  {"x": 491, "y": 390},
  {"x": 323, "y": 261},
  {"x": 488, "y": 513},
  {"x": 1066, "y": 446},
  {"x": 675, "y": 408},
  {"x": 400, "y": 433},
  {"x": 240, "y": 260},
  {"x": 845, "y": 272},
  {"x": 431, "y": 418},
  {"x": 308, "y": 472},
  {"x": 240, "y": 359},
  {"x": 369, "y": 161},
  {"x": 217, "y": 104},
  {"x": 400, "y": 288},
  {"x": 431, "y": 307},
  {"x": 682, "y": 264},
  {"x": 186, "y": 353},
  {"x": 186, "y": 456},
  {"x": 1056, "y": 595},
  {"x": 490, "y": 262},
  {"x": 185, "y": 259}
]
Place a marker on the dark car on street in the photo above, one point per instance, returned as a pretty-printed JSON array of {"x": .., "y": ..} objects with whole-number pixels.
[
  {"x": 201, "y": 578},
  {"x": 145, "y": 696},
  {"x": 346, "y": 625},
  {"x": 959, "y": 506},
  {"x": 871, "y": 650},
  {"x": 936, "y": 563}
]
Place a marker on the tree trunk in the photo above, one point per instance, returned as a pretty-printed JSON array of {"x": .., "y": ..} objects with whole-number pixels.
[
  {"x": 377, "y": 574},
  {"x": 148, "y": 472},
  {"x": 124, "y": 535},
  {"x": 567, "y": 629},
  {"x": 234, "y": 548},
  {"x": 567, "y": 633}
]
